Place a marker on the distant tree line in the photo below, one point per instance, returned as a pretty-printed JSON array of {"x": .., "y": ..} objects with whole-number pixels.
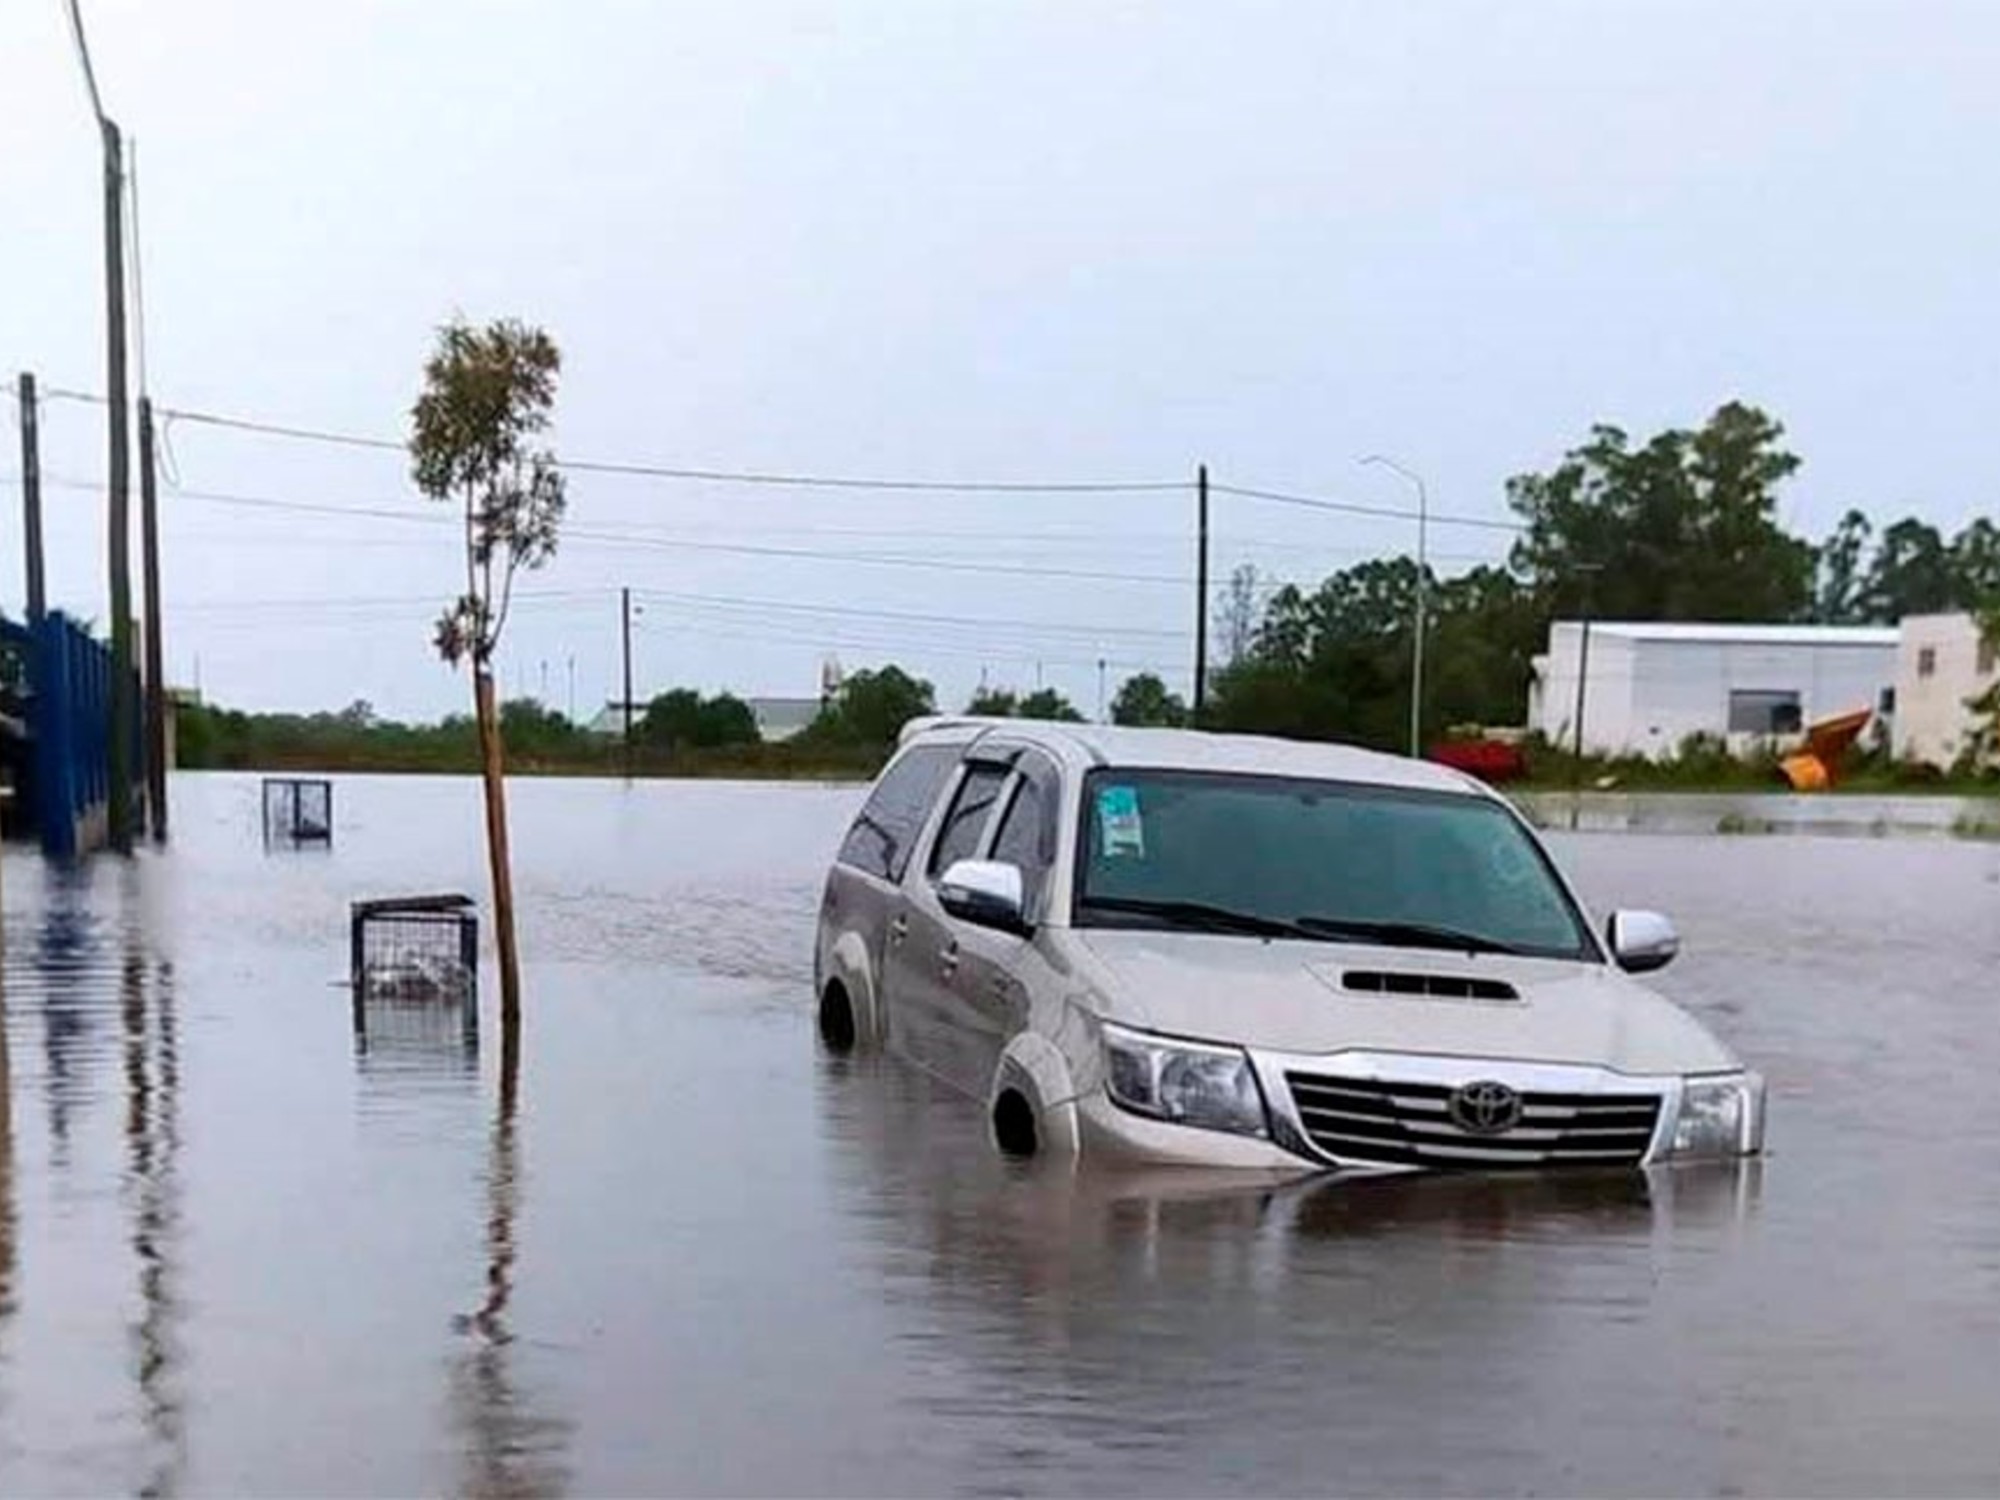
[{"x": 1681, "y": 526}]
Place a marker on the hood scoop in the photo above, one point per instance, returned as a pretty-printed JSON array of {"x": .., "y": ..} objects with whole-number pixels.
[{"x": 1431, "y": 986}]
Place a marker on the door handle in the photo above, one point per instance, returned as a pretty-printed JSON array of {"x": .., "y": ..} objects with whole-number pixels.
[
  {"x": 898, "y": 930},
  {"x": 948, "y": 958}
]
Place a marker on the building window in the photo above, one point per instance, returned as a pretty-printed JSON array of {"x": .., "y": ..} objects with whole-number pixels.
[
  {"x": 1927, "y": 661},
  {"x": 1765, "y": 712}
]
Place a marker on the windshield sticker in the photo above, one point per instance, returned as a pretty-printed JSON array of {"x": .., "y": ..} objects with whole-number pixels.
[{"x": 1119, "y": 829}]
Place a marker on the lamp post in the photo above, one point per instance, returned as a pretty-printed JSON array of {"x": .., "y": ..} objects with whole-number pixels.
[{"x": 1415, "y": 482}]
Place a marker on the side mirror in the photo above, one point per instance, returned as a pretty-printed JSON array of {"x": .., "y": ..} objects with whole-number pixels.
[
  {"x": 985, "y": 892},
  {"x": 1641, "y": 940}
]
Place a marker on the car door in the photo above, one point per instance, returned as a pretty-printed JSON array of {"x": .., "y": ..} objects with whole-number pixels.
[
  {"x": 996, "y": 972},
  {"x": 922, "y": 951},
  {"x": 864, "y": 891}
]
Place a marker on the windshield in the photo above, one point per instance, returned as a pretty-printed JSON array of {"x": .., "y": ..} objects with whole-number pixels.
[{"x": 1276, "y": 856}]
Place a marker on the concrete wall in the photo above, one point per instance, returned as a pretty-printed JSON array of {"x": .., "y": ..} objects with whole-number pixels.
[
  {"x": 1607, "y": 699},
  {"x": 1932, "y": 721}
]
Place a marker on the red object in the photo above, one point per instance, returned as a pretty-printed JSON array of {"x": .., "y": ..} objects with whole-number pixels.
[{"x": 1489, "y": 760}]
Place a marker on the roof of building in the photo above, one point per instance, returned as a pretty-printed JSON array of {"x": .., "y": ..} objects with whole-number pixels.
[
  {"x": 1198, "y": 750},
  {"x": 1743, "y": 635}
]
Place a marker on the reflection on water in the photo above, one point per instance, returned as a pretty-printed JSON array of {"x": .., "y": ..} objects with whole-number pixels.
[
  {"x": 152, "y": 1084},
  {"x": 253, "y": 1240},
  {"x": 509, "y": 1447}
]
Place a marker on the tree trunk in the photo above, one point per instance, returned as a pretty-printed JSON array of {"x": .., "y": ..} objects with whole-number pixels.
[{"x": 493, "y": 768}]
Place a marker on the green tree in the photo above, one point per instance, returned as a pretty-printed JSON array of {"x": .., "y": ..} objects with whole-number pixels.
[
  {"x": 1486, "y": 629},
  {"x": 994, "y": 703},
  {"x": 1335, "y": 663},
  {"x": 1236, "y": 616},
  {"x": 488, "y": 397},
  {"x": 528, "y": 728},
  {"x": 1332, "y": 664},
  {"x": 685, "y": 720},
  {"x": 1683, "y": 528},
  {"x": 1975, "y": 564},
  {"x": 1047, "y": 703},
  {"x": 1143, "y": 701},
  {"x": 1912, "y": 574},
  {"x": 871, "y": 709},
  {"x": 1842, "y": 572}
]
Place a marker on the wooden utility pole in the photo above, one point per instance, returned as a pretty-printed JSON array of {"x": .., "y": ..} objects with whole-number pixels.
[
  {"x": 118, "y": 469},
  {"x": 1201, "y": 592},
  {"x": 156, "y": 685},
  {"x": 1582, "y": 682},
  {"x": 625, "y": 617},
  {"x": 31, "y": 500}
]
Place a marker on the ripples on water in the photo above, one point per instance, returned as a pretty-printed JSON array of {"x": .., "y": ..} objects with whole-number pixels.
[{"x": 244, "y": 1248}]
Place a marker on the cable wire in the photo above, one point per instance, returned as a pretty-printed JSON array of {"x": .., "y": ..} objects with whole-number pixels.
[
  {"x": 83, "y": 56},
  {"x": 1351, "y": 508},
  {"x": 724, "y": 476}
]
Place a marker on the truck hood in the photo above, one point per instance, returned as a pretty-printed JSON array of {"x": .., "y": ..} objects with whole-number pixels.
[{"x": 1292, "y": 996}]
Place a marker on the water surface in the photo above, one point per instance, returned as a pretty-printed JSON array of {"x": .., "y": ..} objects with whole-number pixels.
[{"x": 688, "y": 1253}]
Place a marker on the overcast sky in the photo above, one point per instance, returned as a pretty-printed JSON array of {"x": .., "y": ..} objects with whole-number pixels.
[{"x": 1002, "y": 241}]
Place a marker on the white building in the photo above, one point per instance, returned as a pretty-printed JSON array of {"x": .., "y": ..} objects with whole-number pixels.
[
  {"x": 778, "y": 719},
  {"x": 1942, "y": 662},
  {"x": 1649, "y": 686}
]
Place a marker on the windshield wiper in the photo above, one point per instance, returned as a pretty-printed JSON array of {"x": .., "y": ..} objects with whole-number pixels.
[
  {"x": 1198, "y": 914},
  {"x": 1407, "y": 935}
]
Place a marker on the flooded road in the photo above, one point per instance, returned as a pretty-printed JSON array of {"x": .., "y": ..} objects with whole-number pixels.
[{"x": 687, "y": 1253}]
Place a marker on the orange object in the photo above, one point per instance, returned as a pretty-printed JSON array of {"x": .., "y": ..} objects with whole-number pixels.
[{"x": 1816, "y": 765}]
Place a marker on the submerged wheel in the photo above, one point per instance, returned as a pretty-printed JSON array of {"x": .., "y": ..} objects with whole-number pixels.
[
  {"x": 836, "y": 1019},
  {"x": 1014, "y": 1129}
]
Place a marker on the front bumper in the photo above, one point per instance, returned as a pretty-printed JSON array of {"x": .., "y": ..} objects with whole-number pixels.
[{"x": 1378, "y": 1112}]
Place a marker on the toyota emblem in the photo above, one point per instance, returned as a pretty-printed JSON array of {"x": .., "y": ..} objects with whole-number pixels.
[{"x": 1484, "y": 1107}]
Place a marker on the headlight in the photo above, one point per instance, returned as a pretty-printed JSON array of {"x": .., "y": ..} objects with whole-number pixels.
[
  {"x": 1185, "y": 1082},
  {"x": 1720, "y": 1117}
]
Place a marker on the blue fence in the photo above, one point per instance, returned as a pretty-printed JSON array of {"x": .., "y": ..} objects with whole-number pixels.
[{"x": 63, "y": 774}]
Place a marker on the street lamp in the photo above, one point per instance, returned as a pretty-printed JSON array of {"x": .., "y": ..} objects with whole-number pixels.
[{"x": 1423, "y": 597}]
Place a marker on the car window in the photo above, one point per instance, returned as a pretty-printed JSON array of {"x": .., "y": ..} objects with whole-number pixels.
[
  {"x": 889, "y": 821},
  {"x": 1027, "y": 836},
  {"x": 1289, "y": 851},
  {"x": 959, "y": 837}
]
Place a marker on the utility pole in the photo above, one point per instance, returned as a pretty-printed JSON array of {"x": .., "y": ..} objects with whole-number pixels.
[
  {"x": 625, "y": 610},
  {"x": 1201, "y": 592},
  {"x": 1582, "y": 682},
  {"x": 1100, "y": 690},
  {"x": 572, "y": 687},
  {"x": 1587, "y": 573},
  {"x": 31, "y": 500},
  {"x": 156, "y": 686},
  {"x": 119, "y": 471}
]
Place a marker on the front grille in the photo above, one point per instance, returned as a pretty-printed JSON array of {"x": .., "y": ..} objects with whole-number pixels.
[{"x": 1393, "y": 1123}]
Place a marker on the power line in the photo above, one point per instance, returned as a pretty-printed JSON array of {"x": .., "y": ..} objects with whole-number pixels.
[
  {"x": 1051, "y": 627},
  {"x": 639, "y": 539},
  {"x": 1042, "y": 536},
  {"x": 719, "y": 476},
  {"x": 273, "y": 429},
  {"x": 1347, "y": 507}
]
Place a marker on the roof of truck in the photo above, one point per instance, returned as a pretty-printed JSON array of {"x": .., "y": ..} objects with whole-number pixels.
[{"x": 1199, "y": 750}]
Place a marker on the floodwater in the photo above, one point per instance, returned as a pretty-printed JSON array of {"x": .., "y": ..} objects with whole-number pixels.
[{"x": 688, "y": 1253}]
